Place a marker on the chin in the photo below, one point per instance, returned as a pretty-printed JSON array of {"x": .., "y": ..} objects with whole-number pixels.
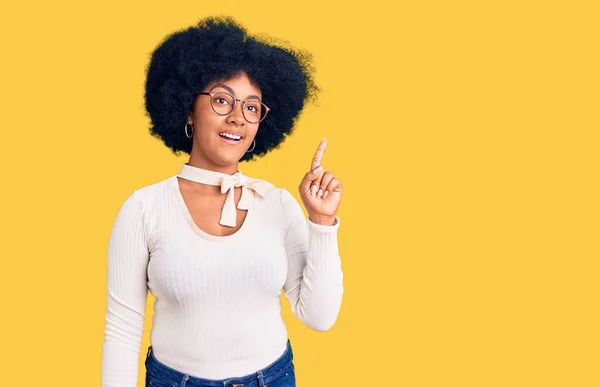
[{"x": 227, "y": 159}]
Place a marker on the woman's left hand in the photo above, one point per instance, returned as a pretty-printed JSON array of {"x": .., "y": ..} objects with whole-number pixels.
[{"x": 321, "y": 191}]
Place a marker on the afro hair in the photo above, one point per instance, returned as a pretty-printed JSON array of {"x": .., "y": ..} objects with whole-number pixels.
[{"x": 217, "y": 48}]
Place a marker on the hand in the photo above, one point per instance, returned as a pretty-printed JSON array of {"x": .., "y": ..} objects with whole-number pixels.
[{"x": 321, "y": 191}]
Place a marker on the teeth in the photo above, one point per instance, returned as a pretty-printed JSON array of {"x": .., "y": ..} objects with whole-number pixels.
[{"x": 232, "y": 136}]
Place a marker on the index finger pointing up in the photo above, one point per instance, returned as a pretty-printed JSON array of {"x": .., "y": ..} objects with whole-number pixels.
[{"x": 316, "y": 161}]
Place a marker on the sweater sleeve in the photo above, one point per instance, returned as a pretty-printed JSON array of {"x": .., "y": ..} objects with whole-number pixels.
[
  {"x": 314, "y": 284},
  {"x": 126, "y": 295}
]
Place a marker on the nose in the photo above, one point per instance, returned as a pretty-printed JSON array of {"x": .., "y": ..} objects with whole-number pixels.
[{"x": 237, "y": 116}]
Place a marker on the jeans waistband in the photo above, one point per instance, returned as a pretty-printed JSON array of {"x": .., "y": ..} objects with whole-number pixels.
[{"x": 180, "y": 379}]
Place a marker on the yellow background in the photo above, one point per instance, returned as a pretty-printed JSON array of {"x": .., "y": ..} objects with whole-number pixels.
[{"x": 466, "y": 134}]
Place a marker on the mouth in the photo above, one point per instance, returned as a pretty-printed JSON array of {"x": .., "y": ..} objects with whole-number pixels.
[{"x": 230, "y": 137}]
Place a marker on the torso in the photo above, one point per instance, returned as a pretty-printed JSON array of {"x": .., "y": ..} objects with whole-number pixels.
[{"x": 205, "y": 207}]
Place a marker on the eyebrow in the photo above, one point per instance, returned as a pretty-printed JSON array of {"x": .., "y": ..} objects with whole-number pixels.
[{"x": 230, "y": 90}]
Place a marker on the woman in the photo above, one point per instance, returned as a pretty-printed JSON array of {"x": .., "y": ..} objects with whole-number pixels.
[{"x": 214, "y": 246}]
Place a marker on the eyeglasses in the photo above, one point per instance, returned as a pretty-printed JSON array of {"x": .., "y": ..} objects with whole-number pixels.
[{"x": 223, "y": 103}]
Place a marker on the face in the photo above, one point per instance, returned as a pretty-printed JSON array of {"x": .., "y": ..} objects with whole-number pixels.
[{"x": 220, "y": 141}]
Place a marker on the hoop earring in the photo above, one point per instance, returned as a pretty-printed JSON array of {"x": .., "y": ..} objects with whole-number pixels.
[
  {"x": 253, "y": 146},
  {"x": 186, "y": 130}
]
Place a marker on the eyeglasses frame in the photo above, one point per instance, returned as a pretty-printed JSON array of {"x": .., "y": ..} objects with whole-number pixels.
[{"x": 235, "y": 101}]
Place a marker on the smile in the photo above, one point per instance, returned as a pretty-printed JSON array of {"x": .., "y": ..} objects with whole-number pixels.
[{"x": 230, "y": 137}]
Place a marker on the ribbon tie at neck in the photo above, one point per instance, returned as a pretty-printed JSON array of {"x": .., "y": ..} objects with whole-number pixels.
[{"x": 228, "y": 183}]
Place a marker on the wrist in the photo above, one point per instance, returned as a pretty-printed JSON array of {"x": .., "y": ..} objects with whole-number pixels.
[{"x": 322, "y": 220}]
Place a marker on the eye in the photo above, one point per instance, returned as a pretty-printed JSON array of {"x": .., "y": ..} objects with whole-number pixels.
[
  {"x": 221, "y": 100},
  {"x": 253, "y": 107}
]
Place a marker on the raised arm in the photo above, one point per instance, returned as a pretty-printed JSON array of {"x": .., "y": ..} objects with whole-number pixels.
[{"x": 314, "y": 285}]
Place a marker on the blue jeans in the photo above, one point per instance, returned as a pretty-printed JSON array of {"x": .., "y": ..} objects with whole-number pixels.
[{"x": 280, "y": 373}]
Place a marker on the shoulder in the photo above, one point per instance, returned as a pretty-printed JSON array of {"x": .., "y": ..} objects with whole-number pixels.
[
  {"x": 275, "y": 195},
  {"x": 281, "y": 201},
  {"x": 143, "y": 200},
  {"x": 154, "y": 192},
  {"x": 286, "y": 204},
  {"x": 142, "y": 203}
]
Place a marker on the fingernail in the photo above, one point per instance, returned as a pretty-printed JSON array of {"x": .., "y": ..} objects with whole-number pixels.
[
  {"x": 313, "y": 190},
  {"x": 320, "y": 193},
  {"x": 325, "y": 194}
]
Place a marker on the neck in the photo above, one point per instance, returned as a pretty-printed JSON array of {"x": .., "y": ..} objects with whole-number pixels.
[{"x": 199, "y": 161}]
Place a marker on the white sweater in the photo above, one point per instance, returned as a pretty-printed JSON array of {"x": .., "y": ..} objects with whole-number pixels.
[{"x": 217, "y": 312}]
